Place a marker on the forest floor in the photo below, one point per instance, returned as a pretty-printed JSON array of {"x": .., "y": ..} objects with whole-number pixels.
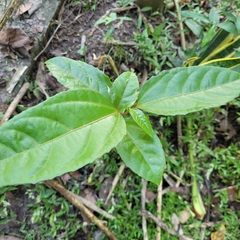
[{"x": 117, "y": 37}]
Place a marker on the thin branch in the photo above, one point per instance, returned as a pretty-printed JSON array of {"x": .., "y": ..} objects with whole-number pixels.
[
  {"x": 67, "y": 194},
  {"x": 15, "y": 102},
  {"x": 164, "y": 226},
  {"x": 183, "y": 43},
  {"x": 159, "y": 209},
  {"x": 92, "y": 206},
  {"x": 182, "y": 36},
  {"x": 55, "y": 31},
  {"x": 118, "y": 42},
  {"x": 114, "y": 183},
  {"x": 143, "y": 201}
]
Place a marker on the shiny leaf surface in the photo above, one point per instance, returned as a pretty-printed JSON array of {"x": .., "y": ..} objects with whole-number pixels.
[
  {"x": 141, "y": 153},
  {"x": 185, "y": 90},
  {"x": 124, "y": 91},
  {"x": 77, "y": 75},
  {"x": 59, "y": 135}
]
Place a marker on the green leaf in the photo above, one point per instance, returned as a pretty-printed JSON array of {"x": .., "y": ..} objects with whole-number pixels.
[
  {"x": 195, "y": 15},
  {"x": 124, "y": 91},
  {"x": 208, "y": 36},
  {"x": 214, "y": 15},
  {"x": 194, "y": 27},
  {"x": 158, "y": 31},
  {"x": 184, "y": 90},
  {"x": 230, "y": 16},
  {"x": 142, "y": 120},
  {"x": 229, "y": 27},
  {"x": 141, "y": 153},
  {"x": 238, "y": 24},
  {"x": 77, "y": 75},
  {"x": 59, "y": 135}
]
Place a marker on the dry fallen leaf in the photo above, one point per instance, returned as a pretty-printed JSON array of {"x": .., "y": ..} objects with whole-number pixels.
[
  {"x": 176, "y": 224},
  {"x": 24, "y": 8},
  {"x": 218, "y": 235},
  {"x": 105, "y": 188},
  {"x": 41, "y": 78},
  {"x": 232, "y": 193},
  {"x": 150, "y": 196},
  {"x": 88, "y": 194},
  {"x": 224, "y": 126},
  {"x": 65, "y": 178},
  {"x": 16, "y": 39},
  {"x": 75, "y": 175},
  {"x": 184, "y": 216}
]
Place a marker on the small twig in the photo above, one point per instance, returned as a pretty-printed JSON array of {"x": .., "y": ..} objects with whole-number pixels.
[
  {"x": 55, "y": 31},
  {"x": 114, "y": 183},
  {"x": 48, "y": 42},
  {"x": 92, "y": 206},
  {"x": 15, "y": 102},
  {"x": 118, "y": 42},
  {"x": 163, "y": 225},
  {"x": 143, "y": 201},
  {"x": 222, "y": 189},
  {"x": 179, "y": 135},
  {"x": 183, "y": 43},
  {"x": 179, "y": 179},
  {"x": 68, "y": 195},
  {"x": 169, "y": 180},
  {"x": 182, "y": 36},
  {"x": 159, "y": 209}
]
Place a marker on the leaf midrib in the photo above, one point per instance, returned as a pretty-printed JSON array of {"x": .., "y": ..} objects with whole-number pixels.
[
  {"x": 187, "y": 94},
  {"x": 62, "y": 135}
]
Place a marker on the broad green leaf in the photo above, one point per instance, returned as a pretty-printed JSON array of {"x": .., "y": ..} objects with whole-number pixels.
[
  {"x": 230, "y": 16},
  {"x": 142, "y": 120},
  {"x": 141, "y": 153},
  {"x": 195, "y": 15},
  {"x": 194, "y": 27},
  {"x": 77, "y": 75},
  {"x": 59, "y": 135},
  {"x": 238, "y": 24},
  {"x": 214, "y": 15},
  {"x": 157, "y": 33},
  {"x": 124, "y": 91},
  {"x": 184, "y": 90},
  {"x": 208, "y": 36},
  {"x": 229, "y": 27}
]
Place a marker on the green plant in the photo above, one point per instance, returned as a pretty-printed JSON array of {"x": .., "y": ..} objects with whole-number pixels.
[
  {"x": 49, "y": 213},
  {"x": 124, "y": 3},
  {"x": 76, "y": 127},
  {"x": 111, "y": 18},
  {"x": 154, "y": 46}
]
